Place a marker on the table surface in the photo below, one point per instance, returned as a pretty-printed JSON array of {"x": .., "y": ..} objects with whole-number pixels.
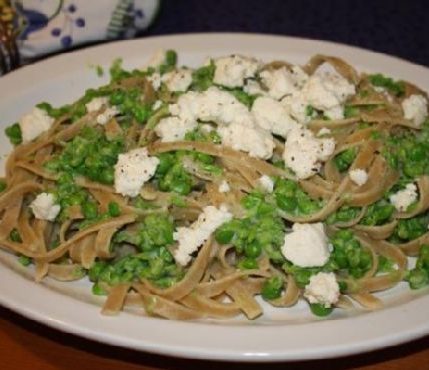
[
  {"x": 397, "y": 28},
  {"x": 25, "y": 344}
]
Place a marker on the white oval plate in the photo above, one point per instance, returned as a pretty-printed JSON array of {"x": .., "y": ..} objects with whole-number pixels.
[{"x": 282, "y": 334}]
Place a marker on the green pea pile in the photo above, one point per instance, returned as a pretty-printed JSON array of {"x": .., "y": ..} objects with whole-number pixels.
[
  {"x": 348, "y": 254},
  {"x": 419, "y": 276},
  {"x": 262, "y": 231},
  {"x": 153, "y": 260},
  {"x": 292, "y": 199},
  {"x": 89, "y": 154}
]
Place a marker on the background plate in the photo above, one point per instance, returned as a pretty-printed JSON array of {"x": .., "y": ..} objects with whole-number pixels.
[{"x": 281, "y": 334}]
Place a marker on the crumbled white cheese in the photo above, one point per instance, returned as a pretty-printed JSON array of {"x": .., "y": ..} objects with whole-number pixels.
[
  {"x": 132, "y": 170},
  {"x": 296, "y": 105},
  {"x": 404, "y": 198},
  {"x": 326, "y": 92},
  {"x": 271, "y": 115},
  {"x": 178, "y": 80},
  {"x": 231, "y": 71},
  {"x": 156, "y": 105},
  {"x": 212, "y": 105},
  {"x": 358, "y": 176},
  {"x": 44, "y": 207},
  {"x": 107, "y": 115},
  {"x": 306, "y": 245},
  {"x": 303, "y": 152},
  {"x": 34, "y": 123},
  {"x": 324, "y": 131},
  {"x": 323, "y": 288},
  {"x": 155, "y": 80},
  {"x": 282, "y": 81},
  {"x": 96, "y": 104},
  {"x": 224, "y": 187},
  {"x": 237, "y": 126},
  {"x": 266, "y": 183},
  {"x": 415, "y": 109},
  {"x": 251, "y": 139},
  {"x": 191, "y": 238},
  {"x": 156, "y": 59},
  {"x": 253, "y": 87},
  {"x": 173, "y": 128}
]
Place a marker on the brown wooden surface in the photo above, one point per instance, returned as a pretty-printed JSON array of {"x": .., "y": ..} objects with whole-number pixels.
[{"x": 25, "y": 344}]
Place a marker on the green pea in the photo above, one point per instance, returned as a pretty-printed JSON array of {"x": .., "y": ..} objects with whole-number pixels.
[
  {"x": 224, "y": 236},
  {"x": 98, "y": 290},
  {"x": 272, "y": 288},
  {"x": 205, "y": 158},
  {"x": 302, "y": 277},
  {"x": 89, "y": 210},
  {"x": 343, "y": 287},
  {"x": 181, "y": 187},
  {"x": 15, "y": 236},
  {"x": 418, "y": 278},
  {"x": 307, "y": 206},
  {"x": 3, "y": 185},
  {"x": 252, "y": 250},
  {"x": 423, "y": 259},
  {"x": 248, "y": 264},
  {"x": 25, "y": 261},
  {"x": 141, "y": 113},
  {"x": 114, "y": 209},
  {"x": 117, "y": 97},
  {"x": 286, "y": 203},
  {"x": 320, "y": 310},
  {"x": 14, "y": 134},
  {"x": 170, "y": 57},
  {"x": 107, "y": 176},
  {"x": 96, "y": 270},
  {"x": 365, "y": 260}
]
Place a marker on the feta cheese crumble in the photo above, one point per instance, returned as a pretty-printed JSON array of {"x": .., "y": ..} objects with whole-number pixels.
[
  {"x": 253, "y": 87},
  {"x": 404, "y": 198},
  {"x": 132, "y": 170},
  {"x": 156, "y": 105},
  {"x": 272, "y": 116},
  {"x": 303, "y": 152},
  {"x": 253, "y": 140},
  {"x": 178, "y": 80},
  {"x": 44, "y": 207},
  {"x": 173, "y": 128},
  {"x": 415, "y": 109},
  {"x": 326, "y": 92},
  {"x": 323, "y": 288},
  {"x": 266, "y": 183},
  {"x": 324, "y": 131},
  {"x": 211, "y": 105},
  {"x": 191, "y": 238},
  {"x": 35, "y": 123},
  {"x": 155, "y": 80},
  {"x": 282, "y": 81},
  {"x": 306, "y": 245},
  {"x": 231, "y": 71},
  {"x": 358, "y": 176},
  {"x": 97, "y": 104},
  {"x": 224, "y": 187}
]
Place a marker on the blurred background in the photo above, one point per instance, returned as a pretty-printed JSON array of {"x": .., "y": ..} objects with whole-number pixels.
[
  {"x": 394, "y": 27},
  {"x": 39, "y": 27}
]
